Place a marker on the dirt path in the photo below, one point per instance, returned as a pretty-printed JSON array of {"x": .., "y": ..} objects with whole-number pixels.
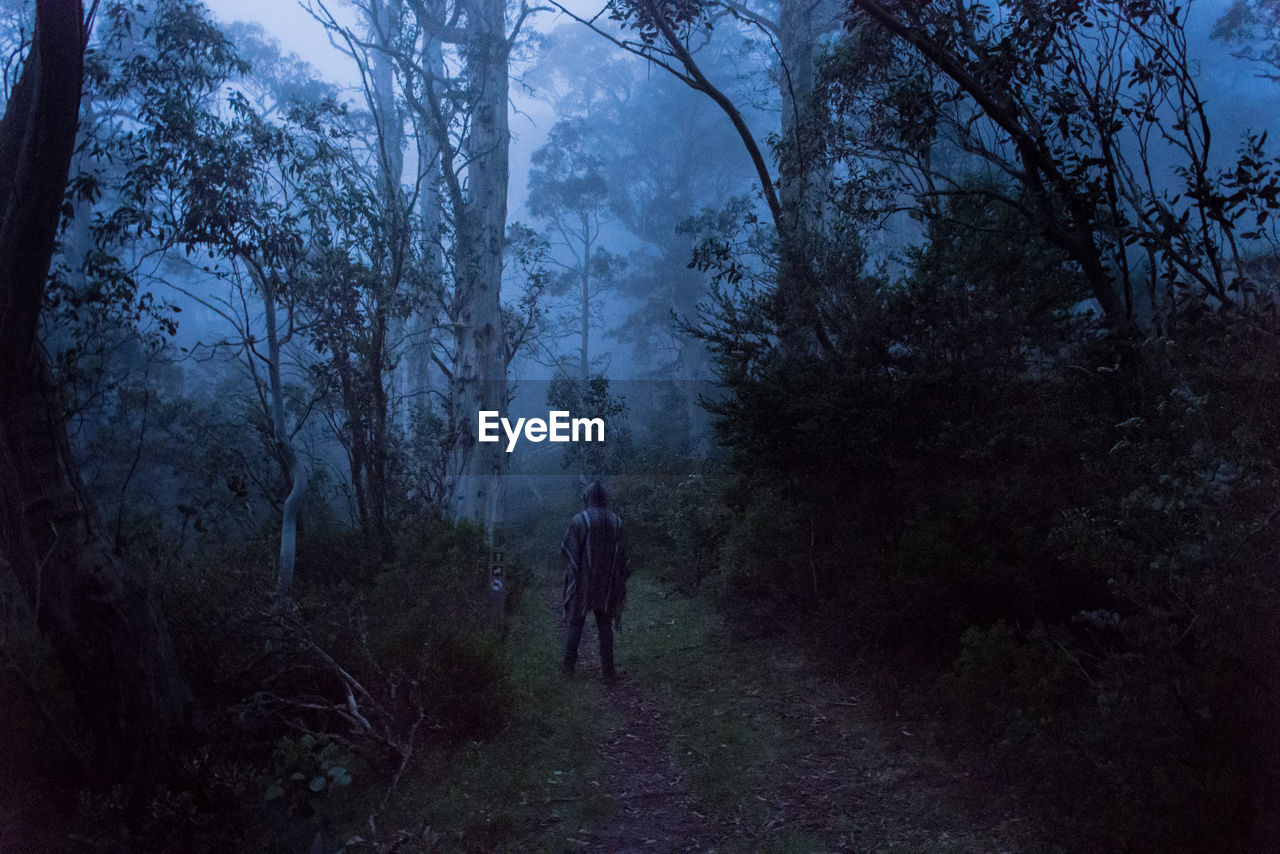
[
  {"x": 653, "y": 810},
  {"x": 821, "y": 770}
]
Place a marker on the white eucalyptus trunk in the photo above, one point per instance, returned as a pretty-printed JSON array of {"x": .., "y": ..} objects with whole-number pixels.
[
  {"x": 294, "y": 469},
  {"x": 480, "y": 380},
  {"x": 421, "y": 325},
  {"x": 384, "y": 23}
]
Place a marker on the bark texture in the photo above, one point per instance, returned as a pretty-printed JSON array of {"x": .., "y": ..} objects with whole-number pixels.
[
  {"x": 92, "y": 605},
  {"x": 481, "y": 366}
]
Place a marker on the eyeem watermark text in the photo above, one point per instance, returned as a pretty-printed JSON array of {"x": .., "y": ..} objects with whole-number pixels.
[{"x": 558, "y": 427}]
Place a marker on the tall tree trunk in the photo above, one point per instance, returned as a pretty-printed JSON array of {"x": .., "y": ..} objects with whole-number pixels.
[
  {"x": 421, "y": 325},
  {"x": 358, "y": 450},
  {"x": 481, "y": 372},
  {"x": 584, "y": 352},
  {"x": 801, "y": 178},
  {"x": 92, "y": 604},
  {"x": 800, "y": 165},
  {"x": 385, "y": 378},
  {"x": 294, "y": 469}
]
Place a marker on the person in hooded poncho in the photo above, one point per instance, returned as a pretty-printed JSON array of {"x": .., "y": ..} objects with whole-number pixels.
[{"x": 595, "y": 576}]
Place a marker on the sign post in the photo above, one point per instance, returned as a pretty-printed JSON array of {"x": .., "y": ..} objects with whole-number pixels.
[{"x": 496, "y": 569}]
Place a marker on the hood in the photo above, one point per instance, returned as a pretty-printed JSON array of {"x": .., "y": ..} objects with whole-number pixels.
[{"x": 594, "y": 495}]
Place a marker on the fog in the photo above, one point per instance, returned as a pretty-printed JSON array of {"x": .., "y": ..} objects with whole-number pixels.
[{"x": 930, "y": 352}]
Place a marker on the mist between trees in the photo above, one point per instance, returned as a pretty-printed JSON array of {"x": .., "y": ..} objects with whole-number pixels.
[{"x": 940, "y": 337}]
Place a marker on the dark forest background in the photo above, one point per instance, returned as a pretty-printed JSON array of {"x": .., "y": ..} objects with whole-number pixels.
[{"x": 935, "y": 339}]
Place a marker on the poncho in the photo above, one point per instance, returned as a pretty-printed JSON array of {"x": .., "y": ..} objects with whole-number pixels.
[{"x": 595, "y": 554}]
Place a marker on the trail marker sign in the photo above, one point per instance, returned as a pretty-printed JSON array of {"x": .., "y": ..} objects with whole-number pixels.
[{"x": 497, "y": 571}]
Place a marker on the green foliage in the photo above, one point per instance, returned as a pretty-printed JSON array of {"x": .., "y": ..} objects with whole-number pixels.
[
  {"x": 1088, "y": 109},
  {"x": 282, "y": 761},
  {"x": 675, "y": 522},
  {"x": 1005, "y": 681},
  {"x": 417, "y": 632},
  {"x": 591, "y": 399},
  {"x": 151, "y": 76},
  {"x": 1065, "y": 540},
  {"x": 756, "y": 566},
  {"x": 305, "y": 769},
  {"x": 535, "y": 782},
  {"x": 565, "y": 179},
  {"x": 1252, "y": 27},
  {"x": 659, "y": 155}
]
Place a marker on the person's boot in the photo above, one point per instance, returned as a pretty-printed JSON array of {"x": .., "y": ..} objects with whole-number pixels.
[{"x": 572, "y": 638}]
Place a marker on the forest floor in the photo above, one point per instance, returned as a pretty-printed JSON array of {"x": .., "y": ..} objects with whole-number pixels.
[{"x": 711, "y": 742}]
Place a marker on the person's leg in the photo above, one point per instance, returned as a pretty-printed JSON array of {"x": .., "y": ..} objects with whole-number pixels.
[
  {"x": 604, "y": 625},
  {"x": 572, "y": 637}
]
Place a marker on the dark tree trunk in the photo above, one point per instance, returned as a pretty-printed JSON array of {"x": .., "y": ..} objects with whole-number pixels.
[
  {"x": 91, "y": 604},
  {"x": 358, "y": 450},
  {"x": 801, "y": 180}
]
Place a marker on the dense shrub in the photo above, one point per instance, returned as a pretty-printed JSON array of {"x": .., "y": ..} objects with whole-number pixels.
[
  {"x": 674, "y": 516},
  {"x": 1071, "y": 539},
  {"x": 309, "y": 715}
]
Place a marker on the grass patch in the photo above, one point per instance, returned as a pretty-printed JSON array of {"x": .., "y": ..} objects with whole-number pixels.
[
  {"x": 534, "y": 785},
  {"x": 778, "y": 756},
  {"x": 725, "y": 730},
  {"x": 775, "y": 750}
]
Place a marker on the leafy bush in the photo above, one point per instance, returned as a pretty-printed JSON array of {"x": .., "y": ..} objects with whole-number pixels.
[
  {"x": 674, "y": 518},
  {"x": 421, "y": 629},
  {"x": 305, "y": 769},
  {"x": 755, "y": 559},
  {"x": 1070, "y": 539},
  {"x": 310, "y": 715}
]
